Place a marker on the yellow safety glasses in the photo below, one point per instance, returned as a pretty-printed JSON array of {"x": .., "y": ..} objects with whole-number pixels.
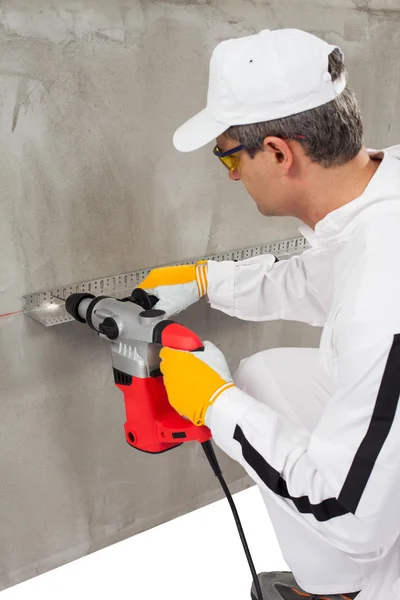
[
  {"x": 231, "y": 162},
  {"x": 227, "y": 158}
]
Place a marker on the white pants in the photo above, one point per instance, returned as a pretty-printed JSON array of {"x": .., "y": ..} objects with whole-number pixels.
[{"x": 293, "y": 383}]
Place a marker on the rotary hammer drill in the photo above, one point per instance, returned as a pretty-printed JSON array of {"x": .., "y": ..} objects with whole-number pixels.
[{"x": 137, "y": 331}]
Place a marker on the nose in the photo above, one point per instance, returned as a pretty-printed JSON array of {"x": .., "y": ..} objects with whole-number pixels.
[{"x": 234, "y": 175}]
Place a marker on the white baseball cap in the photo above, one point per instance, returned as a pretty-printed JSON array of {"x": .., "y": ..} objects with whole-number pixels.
[{"x": 261, "y": 77}]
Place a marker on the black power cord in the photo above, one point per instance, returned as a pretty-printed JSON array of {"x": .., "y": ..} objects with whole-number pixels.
[{"x": 212, "y": 459}]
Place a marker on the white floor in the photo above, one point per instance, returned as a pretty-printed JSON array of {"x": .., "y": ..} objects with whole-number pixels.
[{"x": 196, "y": 557}]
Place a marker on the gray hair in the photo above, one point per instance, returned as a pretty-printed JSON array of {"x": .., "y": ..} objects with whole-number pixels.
[{"x": 333, "y": 132}]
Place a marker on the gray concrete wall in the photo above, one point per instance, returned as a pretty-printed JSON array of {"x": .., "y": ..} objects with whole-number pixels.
[{"x": 90, "y": 94}]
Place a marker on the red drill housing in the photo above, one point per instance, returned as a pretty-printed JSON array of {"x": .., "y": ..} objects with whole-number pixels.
[{"x": 152, "y": 424}]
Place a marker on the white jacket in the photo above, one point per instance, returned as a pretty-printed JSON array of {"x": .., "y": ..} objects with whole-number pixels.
[{"x": 344, "y": 478}]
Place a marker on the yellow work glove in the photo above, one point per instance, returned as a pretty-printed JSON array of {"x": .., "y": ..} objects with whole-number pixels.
[
  {"x": 177, "y": 287},
  {"x": 195, "y": 380}
]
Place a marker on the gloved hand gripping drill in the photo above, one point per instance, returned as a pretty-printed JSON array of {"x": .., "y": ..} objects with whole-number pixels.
[{"x": 140, "y": 335}]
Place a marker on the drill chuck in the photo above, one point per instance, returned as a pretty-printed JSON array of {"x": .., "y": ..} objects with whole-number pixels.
[
  {"x": 74, "y": 307},
  {"x": 81, "y": 306}
]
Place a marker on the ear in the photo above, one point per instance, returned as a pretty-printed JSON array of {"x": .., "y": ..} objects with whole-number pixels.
[{"x": 281, "y": 152}]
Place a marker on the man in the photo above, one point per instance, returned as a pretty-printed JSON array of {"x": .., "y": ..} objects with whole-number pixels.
[{"x": 317, "y": 430}]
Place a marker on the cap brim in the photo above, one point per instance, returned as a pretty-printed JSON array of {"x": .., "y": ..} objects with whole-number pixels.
[{"x": 197, "y": 132}]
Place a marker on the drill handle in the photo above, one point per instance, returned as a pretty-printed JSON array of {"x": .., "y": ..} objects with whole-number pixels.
[{"x": 176, "y": 336}]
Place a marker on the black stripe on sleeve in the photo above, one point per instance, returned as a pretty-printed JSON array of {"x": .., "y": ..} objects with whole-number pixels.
[
  {"x": 381, "y": 422},
  {"x": 378, "y": 430},
  {"x": 328, "y": 509}
]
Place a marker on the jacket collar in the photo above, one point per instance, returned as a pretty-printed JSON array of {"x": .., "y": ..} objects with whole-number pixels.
[{"x": 376, "y": 191}]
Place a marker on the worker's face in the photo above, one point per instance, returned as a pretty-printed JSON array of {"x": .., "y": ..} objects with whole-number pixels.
[{"x": 268, "y": 177}]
